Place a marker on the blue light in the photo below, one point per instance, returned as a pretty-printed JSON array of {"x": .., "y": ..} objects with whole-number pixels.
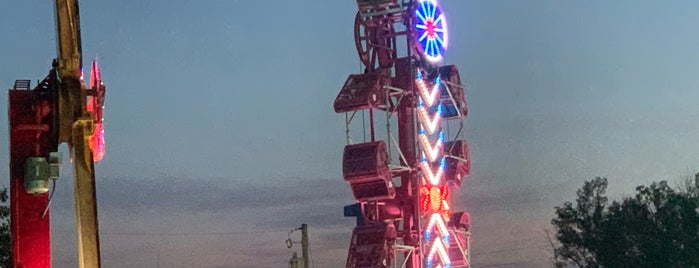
[
  {"x": 440, "y": 137},
  {"x": 438, "y": 110},
  {"x": 431, "y": 29},
  {"x": 442, "y": 163}
]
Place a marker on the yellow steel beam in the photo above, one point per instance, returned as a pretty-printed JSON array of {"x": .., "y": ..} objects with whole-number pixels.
[
  {"x": 85, "y": 197},
  {"x": 76, "y": 127},
  {"x": 72, "y": 95}
]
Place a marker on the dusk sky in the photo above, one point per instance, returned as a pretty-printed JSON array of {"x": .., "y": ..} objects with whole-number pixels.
[{"x": 221, "y": 135}]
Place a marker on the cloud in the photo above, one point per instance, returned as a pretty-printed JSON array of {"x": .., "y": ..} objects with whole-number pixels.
[
  {"x": 211, "y": 195},
  {"x": 173, "y": 217},
  {"x": 139, "y": 215}
]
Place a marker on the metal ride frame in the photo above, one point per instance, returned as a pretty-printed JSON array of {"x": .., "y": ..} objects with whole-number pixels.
[
  {"x": 59, "y": 109},
  {"x": 403, "y": 210}
]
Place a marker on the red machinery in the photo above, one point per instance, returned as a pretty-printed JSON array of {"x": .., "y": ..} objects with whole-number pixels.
[
  {"x": 403, "y": 210},
  {"x": 59, "y": 109}
]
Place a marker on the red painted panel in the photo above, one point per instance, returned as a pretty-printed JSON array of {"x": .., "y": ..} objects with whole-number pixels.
[
  {"x": 457, "y": 169},
  {"x": 369, "y": 246},
  {"x": 365, "y": 162},
  {"x": 28, "y": 137},
  {"x": 452, "y": 107},
  {"x": 365, "y": 168},
  {"x": 362, "y": 91}
]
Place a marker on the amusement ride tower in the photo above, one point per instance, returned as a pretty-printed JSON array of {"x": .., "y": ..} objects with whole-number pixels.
[
  {"x": 401, "y": 186},
  {"x": 59, "y": 109}
]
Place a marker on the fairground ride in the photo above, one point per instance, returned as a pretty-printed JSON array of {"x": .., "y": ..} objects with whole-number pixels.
[
  {"x": 401, "y": 185},
  {"x": 59, "y": 109}
]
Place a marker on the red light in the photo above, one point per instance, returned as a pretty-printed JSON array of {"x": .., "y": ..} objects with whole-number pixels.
[
  {"x": 433, "y": 198},
  {"x": 430, "y": 28},
  {"x": 95, "y": 103},
  {"x": 90, "y": 105},
  {"x": 97, "y": 143}
]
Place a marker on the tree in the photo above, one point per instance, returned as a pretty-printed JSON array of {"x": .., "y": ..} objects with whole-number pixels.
[
  {"x": 658, "y": 227},
  {"x": 5, "y": 245}
]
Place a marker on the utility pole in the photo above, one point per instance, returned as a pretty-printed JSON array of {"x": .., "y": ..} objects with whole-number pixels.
[
  {"x": 295, "y": 261},
  {"x": 304, "y": 245}
]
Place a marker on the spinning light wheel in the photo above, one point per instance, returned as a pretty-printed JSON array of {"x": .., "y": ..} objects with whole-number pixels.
[{"x": 431, "y": 36}]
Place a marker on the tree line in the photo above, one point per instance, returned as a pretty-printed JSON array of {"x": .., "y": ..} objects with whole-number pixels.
[{"x": 656, "y": 227}]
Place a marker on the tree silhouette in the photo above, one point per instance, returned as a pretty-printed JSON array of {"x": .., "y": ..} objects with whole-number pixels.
[
  {"x": 658, "y": 227},
  {"x": 5, "y": 245}
]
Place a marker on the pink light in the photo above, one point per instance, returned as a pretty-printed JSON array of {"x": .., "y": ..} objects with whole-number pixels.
[
  {"x": 438, "y": 221},
  {"x": 438, "y": 248},
  {"x": 95, "y": 106},
  {"x": 429, "y": 96},
  {"x": 431, "y": 176},
  {"x": 430, "y": 124},
  {"x": 430, "y": 28},
  {"x": 90, "y": 104},
  {"x": 95, "y": 75},
  {"x": 97, "y": 143},
  {"x": 432, "y": 151}
]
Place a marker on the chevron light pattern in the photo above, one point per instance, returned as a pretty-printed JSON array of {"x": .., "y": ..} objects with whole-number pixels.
[{"x": 432, "y": 165}]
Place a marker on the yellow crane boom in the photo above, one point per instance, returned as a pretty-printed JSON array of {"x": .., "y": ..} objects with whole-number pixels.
[{"x": 76, "y": 128}]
